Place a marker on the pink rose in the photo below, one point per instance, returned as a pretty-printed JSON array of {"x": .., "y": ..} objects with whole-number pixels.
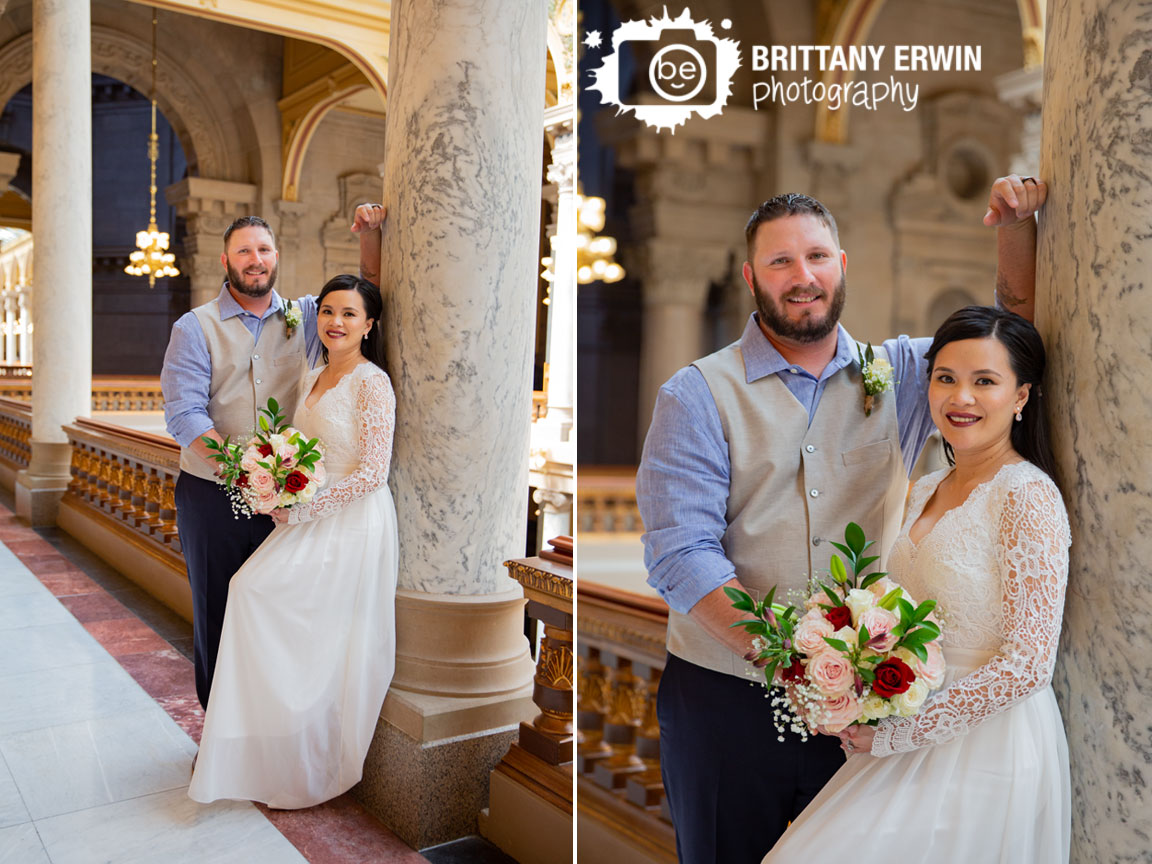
[
  {"x": 262, "y": 482},
  {"x": 265, "y": 503},
  {"x": 879, "y": 623},
  {"x": 838, "y": 713},
  {"x": 317, "y": 473},
  {"x": 831, "y": 672},
  {"x": 931, "y": 671},
  {"x": 811, "y": 630},
  {"x": 249, "y": 459}
]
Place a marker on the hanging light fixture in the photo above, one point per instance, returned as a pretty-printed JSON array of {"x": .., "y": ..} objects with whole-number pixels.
[
  {"x": 152, "y": 258},
  {"x": 594, "y": 254}
]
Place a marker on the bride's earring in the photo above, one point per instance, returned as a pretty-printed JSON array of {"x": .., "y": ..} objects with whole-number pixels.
[{"x": 1019, "y": 418}]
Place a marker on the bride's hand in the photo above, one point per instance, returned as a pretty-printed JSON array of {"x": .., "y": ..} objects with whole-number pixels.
[
  {"x": 857, "y": 739},
  {"x": 279, "y": 516}
]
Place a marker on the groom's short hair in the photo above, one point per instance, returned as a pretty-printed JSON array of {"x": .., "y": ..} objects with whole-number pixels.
[
  {"x": 789, "y": 204},
  {"x": 247, "y": 222}
]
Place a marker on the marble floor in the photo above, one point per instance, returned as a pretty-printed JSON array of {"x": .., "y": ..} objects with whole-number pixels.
[{"x": 98, "y": 725}]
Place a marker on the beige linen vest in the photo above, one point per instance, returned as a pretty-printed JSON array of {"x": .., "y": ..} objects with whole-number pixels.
[
  {"x": 245, "y": 375},
  {"x": 793, "y": 487}
]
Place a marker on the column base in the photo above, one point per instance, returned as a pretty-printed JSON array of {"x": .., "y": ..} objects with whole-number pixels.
[
  {"x": 430, "y": 792},
  {"x": 41, "y": 485}
]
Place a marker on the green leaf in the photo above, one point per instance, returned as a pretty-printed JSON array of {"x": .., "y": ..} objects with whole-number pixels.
[
  {"x": 920, "y": 651},
  {"x": 770, "y": 671},
  {"x": 836, "y": 601},
  {"x": 848, "y": 553},
  {"x": 839, "y": 573},
  {"x": 872, "y": 579},
  {"x": 864, "y": 562},
  {"x": 889, "y": 600},
  {"x": 930, "y": 626},
  {"x": 273, "y": 406},
  {"x": 924, "y": 609},
  {"x": 867, "y": 675},
  {"x": 743, "y": 601},
  {"x": 838, "y": 644},
  {"x": 854, "y": 537},
  {"x": 863, "y": 638},
  {"x": 758, "y": 628},
  {"x": 869, "y": 355},
  {"x": 907, "y": 612}
]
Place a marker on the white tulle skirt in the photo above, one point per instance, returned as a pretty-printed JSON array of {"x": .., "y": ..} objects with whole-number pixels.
[
  {"x": 997, "y": 795},
  {"x": 306, "y": 657}
]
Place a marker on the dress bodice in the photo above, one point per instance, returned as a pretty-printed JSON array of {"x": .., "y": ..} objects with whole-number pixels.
[{"x": 998, "y": 567}]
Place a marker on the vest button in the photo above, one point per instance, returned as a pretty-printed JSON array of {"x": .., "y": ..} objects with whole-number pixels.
[
  {"x": 815, "y": 493},
  {"x": 810, "y": 449},
  {"x": 816, "y": 541},
  {"x": 258, "y": 381},
  {"x": 255, "y": 356}
]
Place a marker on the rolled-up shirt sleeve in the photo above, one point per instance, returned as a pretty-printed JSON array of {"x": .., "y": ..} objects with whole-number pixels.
[
  {"x": 185, "y": 381},
  {"x": 682, "y": 491}
]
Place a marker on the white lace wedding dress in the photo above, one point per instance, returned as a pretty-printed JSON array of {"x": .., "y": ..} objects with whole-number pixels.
[
  {"x": 981, "y": 774},
  {"x": 308, "y": 647}
]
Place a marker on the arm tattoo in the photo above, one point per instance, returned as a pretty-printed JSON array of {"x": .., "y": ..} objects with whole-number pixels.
[{"x": 1008, "y": 300}]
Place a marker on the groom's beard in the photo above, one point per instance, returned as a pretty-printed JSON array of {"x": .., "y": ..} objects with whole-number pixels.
[
  {"x": 807, "y": 329},
  {"x": 247, "y": 285}
]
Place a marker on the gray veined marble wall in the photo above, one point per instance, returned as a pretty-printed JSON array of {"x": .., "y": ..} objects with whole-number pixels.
[{"x": 1095, "y": 301}]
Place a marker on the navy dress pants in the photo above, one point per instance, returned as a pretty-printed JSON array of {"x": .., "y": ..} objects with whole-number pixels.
[
  {"x": 215, "y": 545},
  {"x": 732, "y": 787}
]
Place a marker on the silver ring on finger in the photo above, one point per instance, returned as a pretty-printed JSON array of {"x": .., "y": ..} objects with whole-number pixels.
[{"x": 1026, "y": 179}]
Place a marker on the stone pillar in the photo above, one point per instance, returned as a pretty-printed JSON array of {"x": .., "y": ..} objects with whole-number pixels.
[
  {"x": 208, "y": 208},
  {"x": 61, "y": 207},
  {"x": 562, "y": 305},
  {"x": 288, "y": 239},
  {"x": 1095, "y": 315},
  {"x": 462, "y": 185},
  {"x": 1023, "y": 91},
  {"x": 697, "y": 189},
  {"x": 24, "y": 333},
  {"x": 10, "y": 329}
]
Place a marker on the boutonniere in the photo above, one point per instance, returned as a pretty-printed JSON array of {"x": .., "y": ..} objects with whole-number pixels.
[
  {"x": 292, "y": 316},
  {"x": 878, "y": 376}
]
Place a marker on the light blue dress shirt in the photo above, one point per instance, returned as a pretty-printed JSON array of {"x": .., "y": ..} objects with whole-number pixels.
[
  {"x": 682, "y": 483},
  {"x": 187, "y": 374}
]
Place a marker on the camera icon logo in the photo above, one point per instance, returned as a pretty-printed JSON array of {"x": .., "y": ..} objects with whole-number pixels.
[{"x": 683, "y": 69}]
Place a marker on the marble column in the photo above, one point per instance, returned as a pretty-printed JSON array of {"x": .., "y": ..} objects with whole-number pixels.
[
  {"x": 10, "y": 329},
  {"x": 562, "y": 305},
  {"x": 208, "y": 207},
  {"x": 24, "y": 333},
  {"x": 61, "y": 207},
  {"x": 462, "y": 185},
  {"x": 1094, "y": 312}
]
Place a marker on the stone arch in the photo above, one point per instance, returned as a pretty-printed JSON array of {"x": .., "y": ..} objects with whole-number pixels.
[
  {"x": 179, "y": 96},
  {"x": 944, "y": 304}
]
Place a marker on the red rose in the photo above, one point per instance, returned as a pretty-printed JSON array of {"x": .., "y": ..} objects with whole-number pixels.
[
  {"x": 795, "y": 672},
  {"x": 264, "y": 450},
  {"x": 242, "y": 481},
  {"x": 893, "y": 676},
  {"x": 839, "y": 616},
  {"x": 295, "y": 482}
]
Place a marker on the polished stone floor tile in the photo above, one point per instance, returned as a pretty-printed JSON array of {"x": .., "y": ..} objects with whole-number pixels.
[
  {"x": 53, "y": 697},
  {"x": 121, "y": 636},
  {"x": 161, "y": 673},
  {"x": 166, "y": 828},
  {"x": 33, "y": 608},
  {"x": 95, "y": 607},
  {"x": 21, "y": 844},
  {"x": 79, "y": 765},
  {"x": 67, "y": 582},
  {"x": 12, "y": 809},
  {"x": 49, "y": 646},
  {"x": 15, "y": 580}
]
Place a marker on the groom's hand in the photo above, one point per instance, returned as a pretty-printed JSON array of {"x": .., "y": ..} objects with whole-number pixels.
[
  {"x": 201, "y": 449},
  {"x": 368, "y": 217},
  {"x": 1014, "y": 199},
  {"x": 715, "y": 614}
]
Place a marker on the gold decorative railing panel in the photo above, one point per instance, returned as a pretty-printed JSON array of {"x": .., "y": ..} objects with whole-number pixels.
[
  {"x": 129, "y": 476},
  {"x": 621, "y": 657},
  {"x": 109, "y": 393},
  {"x": 606, "y": 500},
  {"x": 15, "y": 434}
]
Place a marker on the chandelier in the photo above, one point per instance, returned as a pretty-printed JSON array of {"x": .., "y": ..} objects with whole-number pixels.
[
  {"x": 594, "y": 262},
  {"x": 152, "y": 258}
]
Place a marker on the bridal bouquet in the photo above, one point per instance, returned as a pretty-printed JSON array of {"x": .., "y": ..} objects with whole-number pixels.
[
  {"x": 278, "y": 467},
  {"x": 862, "y": 649}
]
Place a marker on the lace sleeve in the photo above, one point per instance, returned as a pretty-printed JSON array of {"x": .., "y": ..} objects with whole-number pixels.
[
  {"x": 1032, "y": 555},
  {"x": 376, "y": 407}
]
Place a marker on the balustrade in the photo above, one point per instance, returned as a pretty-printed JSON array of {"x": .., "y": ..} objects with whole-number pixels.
[
  {"x": 621, "y": 657},
  {"x": 109, "y": 393},
  {"x": 606, "y": 501},
  {"x": 15, "y": 435}
]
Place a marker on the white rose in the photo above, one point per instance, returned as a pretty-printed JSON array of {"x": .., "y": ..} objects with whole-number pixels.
[
  {"x": 847, "y": 634},
  {"x": 908, "y": 703},
  {"x": 876, "y": 707},
  {"x": 858, "y": 601}
]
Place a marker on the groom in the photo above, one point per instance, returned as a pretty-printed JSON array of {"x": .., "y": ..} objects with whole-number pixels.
[
  {"x": 758, "y": 456},
  {"x": 224, "y": 360}
]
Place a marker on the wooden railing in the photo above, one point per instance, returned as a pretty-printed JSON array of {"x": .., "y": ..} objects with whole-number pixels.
[
  {"x": 621, "y": 656},
  {"x": 15, "y": 435},
  {"x": 606, "y": 500},
  {"x": 109, "y": 393}
]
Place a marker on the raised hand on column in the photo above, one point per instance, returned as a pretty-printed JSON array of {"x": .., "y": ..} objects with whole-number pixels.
[
  {"x": 1012, "y": 204},
  {"x": 366, "y": 222}
]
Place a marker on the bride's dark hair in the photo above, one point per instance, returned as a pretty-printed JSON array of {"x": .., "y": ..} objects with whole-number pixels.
[
  {"x": 1026, "y": 354},
  {"x": 373, "y": 346}
]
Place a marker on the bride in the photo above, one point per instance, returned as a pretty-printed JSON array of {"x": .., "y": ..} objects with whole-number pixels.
[
  {"x": 308, "y": 646},
  {"x": 981, "y": 774}
]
